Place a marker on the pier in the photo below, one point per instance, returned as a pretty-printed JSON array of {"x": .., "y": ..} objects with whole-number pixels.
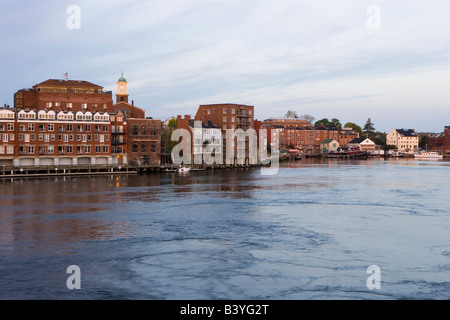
[{"x": 64, "y": 170}]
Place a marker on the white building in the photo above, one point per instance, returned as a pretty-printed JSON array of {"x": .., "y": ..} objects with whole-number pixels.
[{"x": 403, "y": 139}]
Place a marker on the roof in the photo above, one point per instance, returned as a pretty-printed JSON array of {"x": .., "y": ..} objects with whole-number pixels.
[
  {"x": 407, "y": 132},
  {"x": 67, "y": 83},
  {"x": 327, "y": 141},
  {"x": 210, "y": 125},
  {"x": 122, "y": 79},
  {"x": 358, "y": 140}
]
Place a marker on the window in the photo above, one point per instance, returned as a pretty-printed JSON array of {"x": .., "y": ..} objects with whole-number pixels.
[
  {"x": 105, "y": 128},
  {"x": 87, "y": 149},
  {"x": 10, "y": 149},
  {"x": 84, "y": 105},
  {"x": 78, "y": 137},
  {"x": 144, "y": 130},
  {"x": 42, "y": 128},
  {"x": 209, "y": 111},
  {"x": 105, "y": 149},
  {"x": 225, "y": 110},
  {"x": 80, "y": 128},
  {"x": 83, "y": 138},
  {"x": 2, "y": 149},
  {"x": 69, "y": 105},
  {"x": 102, "y": 138},
  {"x": 153, "y": 131},
  {"x": 10, "y": 126},
  {"x": 98, "y": 149},
  {"x": 41, "y": 150},
  {"x": 66, "y": 138},
  {"x": 69, "y": 128},
  {"x": 87, "y": 128},
  {"x": 5, "y": 138},
  {"x": 30, "y": 149},
  {"x": 69, "y": 149},
  {"x": 153, "y": 146},
  {"x": 48, "y": 104},
  {"x": 80, "y": 149},
  {"x": 134, "y": 148},
  {"x": 134, "y": 130},
  {"x": 50, "y": 149},
  {"x": 224, "y": 119},
  {"x": 31, "y": 127},
  {"x": 46, "y": 138},
  {"x": 51, "y": 127},
  {"x": 143, "y": 147}
]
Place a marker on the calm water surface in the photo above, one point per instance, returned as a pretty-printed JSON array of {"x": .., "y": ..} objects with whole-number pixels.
[{"x": 308, "y": 232}]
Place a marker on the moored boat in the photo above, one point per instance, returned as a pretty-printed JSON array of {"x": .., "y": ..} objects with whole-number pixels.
[{"x": 428, "y": 155}]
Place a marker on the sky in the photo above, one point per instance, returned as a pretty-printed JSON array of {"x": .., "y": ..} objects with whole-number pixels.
[{"x": 348, "y": 59}]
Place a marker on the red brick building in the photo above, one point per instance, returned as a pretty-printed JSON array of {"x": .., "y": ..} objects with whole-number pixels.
[
  {"x": 70, "y": 123},
  {"x": 300, "y": 135}
]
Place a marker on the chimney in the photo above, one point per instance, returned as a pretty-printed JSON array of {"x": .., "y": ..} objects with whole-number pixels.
[{"x": 132, "y": 102}]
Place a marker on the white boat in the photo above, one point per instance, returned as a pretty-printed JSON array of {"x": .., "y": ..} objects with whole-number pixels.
[
  {"x": 183, "y": 169},
  {"x": 428, "y": 155}
]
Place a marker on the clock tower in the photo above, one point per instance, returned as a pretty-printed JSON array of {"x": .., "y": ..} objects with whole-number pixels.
[{"x": 122, "y": 94}]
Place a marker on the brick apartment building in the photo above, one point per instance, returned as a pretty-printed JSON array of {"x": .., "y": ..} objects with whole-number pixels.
[
  {"x": 70, "y": 122},
  {"x": 299, "y": 134}
]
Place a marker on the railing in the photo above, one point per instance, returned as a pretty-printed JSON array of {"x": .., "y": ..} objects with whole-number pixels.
[{"x": 6, "y": 171}]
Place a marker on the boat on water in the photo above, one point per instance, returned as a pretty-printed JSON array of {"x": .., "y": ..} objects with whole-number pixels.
[
  {"x": 183, "y": 169},
  {"x": 352, "y": 152},
  {"x": 428, "y": 155}
]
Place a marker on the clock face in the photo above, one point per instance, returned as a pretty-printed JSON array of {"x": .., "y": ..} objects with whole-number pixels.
[{"x": 121, "y": 88}]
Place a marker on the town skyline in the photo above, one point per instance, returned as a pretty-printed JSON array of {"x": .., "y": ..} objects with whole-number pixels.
[{"x": 321, "y": 60}]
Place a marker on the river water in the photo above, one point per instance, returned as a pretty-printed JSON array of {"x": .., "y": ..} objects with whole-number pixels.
[{"x": 308, "y": 232}]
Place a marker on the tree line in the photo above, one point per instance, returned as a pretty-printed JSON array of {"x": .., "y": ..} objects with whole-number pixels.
[{"x": 367, "y": 131}]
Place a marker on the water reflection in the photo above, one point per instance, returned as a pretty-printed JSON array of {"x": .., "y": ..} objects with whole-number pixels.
[{"x": 315, "y": 222}]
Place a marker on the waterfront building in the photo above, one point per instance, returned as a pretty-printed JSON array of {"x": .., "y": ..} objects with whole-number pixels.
[
  {"x": 204, "y": 137},
  {"x": 403, "y": 139},
  {"x": 300, "y": 135},
  {"x": 364, "y": 144},
  {"x": 73, "y": 123},
  {"x": 142, "y": 135},
  {"x": 229, "y": 116},
  {"x": 328, "y": 145}
]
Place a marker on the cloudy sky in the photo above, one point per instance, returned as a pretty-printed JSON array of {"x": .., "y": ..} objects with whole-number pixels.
[{"x": 349, "y": 59}]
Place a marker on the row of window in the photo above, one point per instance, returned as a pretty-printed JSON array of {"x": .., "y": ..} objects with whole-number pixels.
[
  {"x": 43, "y": 150},
  {"x": 143, "y": 145},
  {"x": 144, "y": 130},
  {"x": 51, "y": 137},
  {"x": 61, "y": 127},
  {"x": 69, "y": 105},
  {"x": 6, "y": 149},
  {"x": 225, "y": 111}
]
